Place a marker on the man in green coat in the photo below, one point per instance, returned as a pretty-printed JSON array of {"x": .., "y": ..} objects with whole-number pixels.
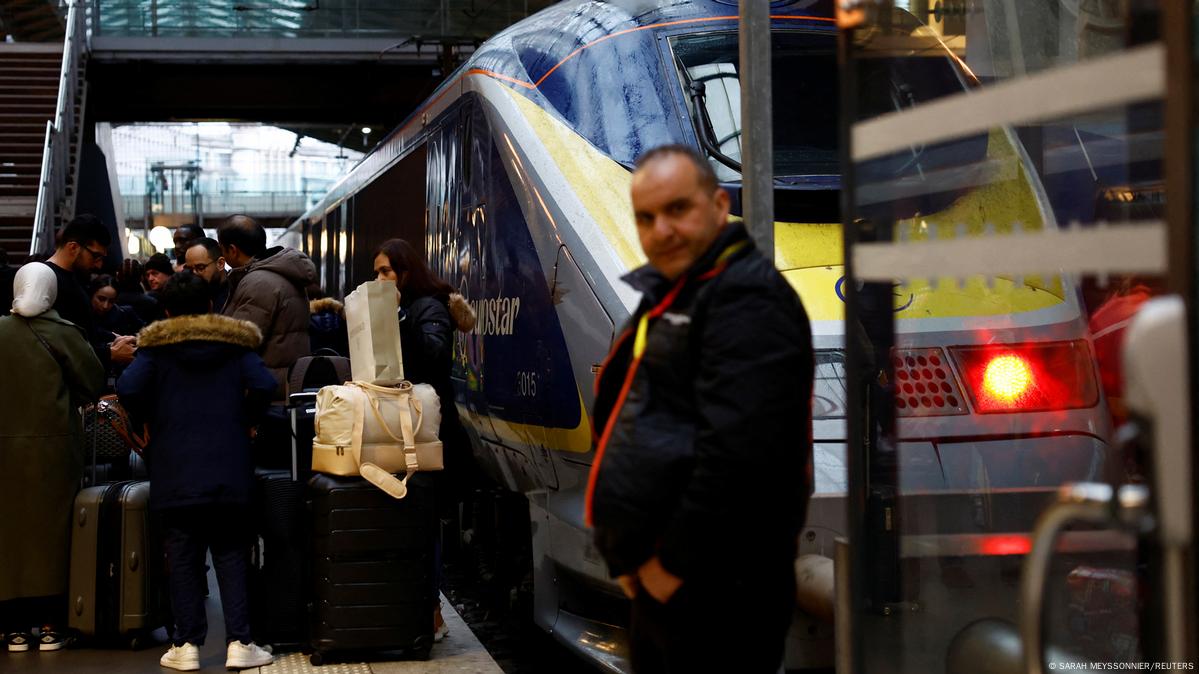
[{"x": 49, "y": 371}]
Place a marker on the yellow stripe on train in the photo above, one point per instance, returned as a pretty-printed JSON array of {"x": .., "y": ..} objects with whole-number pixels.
[{"x": 811, "y": 254}]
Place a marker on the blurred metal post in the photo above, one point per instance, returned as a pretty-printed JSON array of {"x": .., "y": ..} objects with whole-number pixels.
[{"x": 757, "y": 131}]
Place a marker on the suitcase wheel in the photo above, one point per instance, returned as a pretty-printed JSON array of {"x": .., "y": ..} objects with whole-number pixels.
[{"x": 316, "y": 659}]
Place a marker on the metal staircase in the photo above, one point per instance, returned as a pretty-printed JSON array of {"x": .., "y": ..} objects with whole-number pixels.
[
  {"x": 29, "y": 76},
  {"x": 42, "y": 94},
  {"x": 31, "y": 21}
]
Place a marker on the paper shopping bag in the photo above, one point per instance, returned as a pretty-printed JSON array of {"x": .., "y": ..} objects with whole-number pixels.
[{"x": 374, "y": 331}]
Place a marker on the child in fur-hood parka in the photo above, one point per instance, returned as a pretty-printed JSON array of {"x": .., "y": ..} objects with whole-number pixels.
[
  {"x": 199, "y": 383},
  {"x": 187, "y": 382}
]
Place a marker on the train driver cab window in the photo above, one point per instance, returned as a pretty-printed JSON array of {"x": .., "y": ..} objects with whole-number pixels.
[{"x": 804, "y": 73}]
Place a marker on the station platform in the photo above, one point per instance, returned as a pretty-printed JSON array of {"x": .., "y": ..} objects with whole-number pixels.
[{"x": 459, "y": 653}]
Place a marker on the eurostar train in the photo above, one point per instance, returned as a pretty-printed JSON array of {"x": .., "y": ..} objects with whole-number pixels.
[{"x": 515, "y": 174}]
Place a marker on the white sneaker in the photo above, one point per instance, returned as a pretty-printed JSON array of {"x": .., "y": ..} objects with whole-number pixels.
[
  {"x": 242, "y": 656},
  {"x": 185, "y": 658}
]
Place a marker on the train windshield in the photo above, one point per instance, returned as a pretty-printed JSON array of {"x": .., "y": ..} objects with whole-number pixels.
[{"x": 804, "y": 76}]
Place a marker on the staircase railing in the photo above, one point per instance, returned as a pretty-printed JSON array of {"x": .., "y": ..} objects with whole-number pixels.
[{"x": 56, "y": 153}]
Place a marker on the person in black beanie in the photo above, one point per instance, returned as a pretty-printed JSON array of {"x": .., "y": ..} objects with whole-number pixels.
[{"x": 158, "y": 269}]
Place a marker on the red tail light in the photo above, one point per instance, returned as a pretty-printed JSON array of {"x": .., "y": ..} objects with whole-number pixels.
[{"x": 1028, "y": 377}]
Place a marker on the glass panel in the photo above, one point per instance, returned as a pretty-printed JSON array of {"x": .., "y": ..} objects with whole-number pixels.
[
  {"x": 985, "y": 392},
  {"x": 804, "y": 87},
  {"x": 431, "y": 19}
]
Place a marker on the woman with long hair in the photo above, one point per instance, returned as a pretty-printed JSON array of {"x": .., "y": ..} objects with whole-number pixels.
[
  {"x": 430, "y": 310},
  {"x": 112, "y": 319},
  {"x": 111, "y": 316}
]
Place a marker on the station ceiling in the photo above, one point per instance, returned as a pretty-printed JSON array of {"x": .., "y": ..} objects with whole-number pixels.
[{"x": 323, "y": 68}]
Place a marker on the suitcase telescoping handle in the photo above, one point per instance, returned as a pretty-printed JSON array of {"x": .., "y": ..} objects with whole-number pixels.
[{"x": 296, "y": 402}]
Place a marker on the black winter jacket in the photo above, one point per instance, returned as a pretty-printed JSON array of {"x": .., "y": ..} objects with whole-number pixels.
[
  {"x": 705, "y": 441},
  {"x": 120, "y": 321},
  {"x": 145, "y": 305},
  {"x": 427, "y": 341},
  {"x": 199, "y": 383},
  {"x": 427, "y": 325},
  {"x": 327, "y": 326}
]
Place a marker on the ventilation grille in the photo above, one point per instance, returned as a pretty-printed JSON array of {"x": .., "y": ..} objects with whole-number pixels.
[{"x": 924, "y": 384}]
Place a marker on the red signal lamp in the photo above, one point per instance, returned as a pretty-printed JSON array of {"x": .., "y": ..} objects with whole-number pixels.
[
  {"x": 1029, "y": 377},
  {"x": 1007, "y": 377}
]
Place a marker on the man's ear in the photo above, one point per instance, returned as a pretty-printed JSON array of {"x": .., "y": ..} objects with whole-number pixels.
[{"x": 721, "y": 199}]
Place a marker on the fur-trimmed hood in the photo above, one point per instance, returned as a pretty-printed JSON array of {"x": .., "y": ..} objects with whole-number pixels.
[
  {"x": 462, "y": 313},
  {"x": 200, "y": 328},
  {"x": 326, "y": 304}
]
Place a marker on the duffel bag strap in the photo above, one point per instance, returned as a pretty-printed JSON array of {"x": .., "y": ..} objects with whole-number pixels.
[
  {"x": 390, "y": 484},
  {"x": 411, "y": 464},
  {"x": 360, "y": 402},
  {"x": 404, "y": 394}
]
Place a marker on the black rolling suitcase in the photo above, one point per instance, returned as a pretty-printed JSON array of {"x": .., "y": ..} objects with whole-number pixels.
[
  {"x": 278, "y": 589},
  {"x": 279, "y": 574},
  {"x": 372, "y": 555}
]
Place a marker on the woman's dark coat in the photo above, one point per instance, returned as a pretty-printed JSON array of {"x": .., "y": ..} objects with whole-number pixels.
[
  {"x": 427, "y": 339},
  {"x": 145, "y": 305},
  {"x": 41, "y": 448},
  {"x": 120, "y": 321},
  {"x": 199, "y": 383}
]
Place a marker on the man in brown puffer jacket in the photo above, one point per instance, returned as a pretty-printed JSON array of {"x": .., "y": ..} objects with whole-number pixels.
[{"x": 266, "y": 287}]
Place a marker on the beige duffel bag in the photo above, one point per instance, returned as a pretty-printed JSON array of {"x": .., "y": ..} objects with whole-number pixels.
[{"x": 375, "y": 431}]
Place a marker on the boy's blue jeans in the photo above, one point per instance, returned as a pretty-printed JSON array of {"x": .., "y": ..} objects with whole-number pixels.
[{"x": 190, "y": 532}]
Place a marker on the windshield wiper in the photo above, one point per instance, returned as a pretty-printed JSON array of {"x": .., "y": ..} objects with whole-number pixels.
[{"x": 707, "y": 136}]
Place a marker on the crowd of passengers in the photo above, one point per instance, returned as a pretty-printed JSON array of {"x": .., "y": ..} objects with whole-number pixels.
[
  {"x": 701, "y": 417},
  {"x": 197, "y": 349}
]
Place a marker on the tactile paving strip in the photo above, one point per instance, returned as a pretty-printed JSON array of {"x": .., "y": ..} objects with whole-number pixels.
[{"x": 297, "y": 663}]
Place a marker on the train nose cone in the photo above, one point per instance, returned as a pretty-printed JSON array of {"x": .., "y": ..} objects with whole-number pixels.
[{"x": 987, "y": 646}]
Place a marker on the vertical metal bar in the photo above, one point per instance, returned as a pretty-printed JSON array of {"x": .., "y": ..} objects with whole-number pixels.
[
  {"x": 757, "y": 132},
  {"x": 843, "y": 613},
  {"x": 849, "y": 659},
  {"x": 1177, "y": 26}
]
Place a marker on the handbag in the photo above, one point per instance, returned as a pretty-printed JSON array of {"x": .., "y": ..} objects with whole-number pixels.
[
  {"x": 111, "y": 432},
  {"x": 356, "y": 432}
]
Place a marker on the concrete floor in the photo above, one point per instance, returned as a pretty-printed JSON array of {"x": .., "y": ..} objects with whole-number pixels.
[{"x": 459, "y": 653}]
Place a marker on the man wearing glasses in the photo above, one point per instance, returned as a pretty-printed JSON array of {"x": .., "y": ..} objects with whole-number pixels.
[
  {"x": 204, "y": 259},
  {"x": 81, "y": 249}
]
